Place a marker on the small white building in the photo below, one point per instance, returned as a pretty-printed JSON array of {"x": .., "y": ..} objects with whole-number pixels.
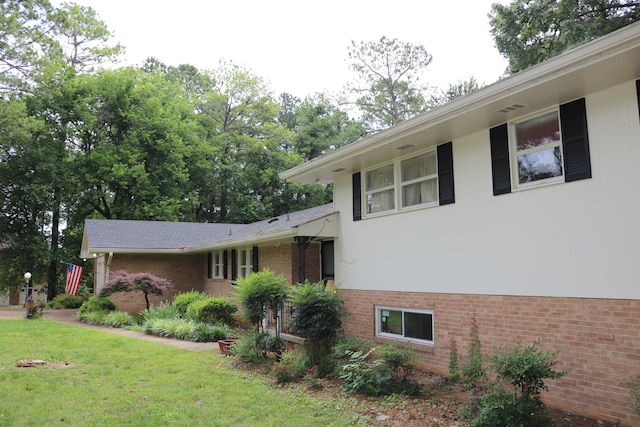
[{"x": 516, "y": 207}]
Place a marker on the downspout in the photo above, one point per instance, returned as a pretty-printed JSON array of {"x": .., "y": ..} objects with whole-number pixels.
[
  {"x": 107, "y": 269},
  {"x": 303, "y": 243}
]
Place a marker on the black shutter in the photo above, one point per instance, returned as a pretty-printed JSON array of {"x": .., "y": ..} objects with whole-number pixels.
[
  {"x": 254, "y": 260},
  {"x": 575, "y": 141},
  {"x": 357, "y": 197},
  {"x": 225, "y": 265},
  {"x": 445, "y": 174},
  {"x": 234, "y": 264},
  {"x": 209, "y": 265},
  {"x": 638, "y": 93},
  {"x": 500, "y": 160}
]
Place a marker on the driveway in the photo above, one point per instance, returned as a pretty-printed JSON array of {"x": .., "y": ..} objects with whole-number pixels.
[{"x": 69, "y": 317}]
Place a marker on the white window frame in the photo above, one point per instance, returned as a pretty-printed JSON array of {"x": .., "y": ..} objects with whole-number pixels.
[
  {"x": 217, "y": 264},
  {"x": 514, "y": 153},
  {"x": 398, "y": 185},
  {"x": 379, "y": 309},
  {"x": 245, "y": 269}
]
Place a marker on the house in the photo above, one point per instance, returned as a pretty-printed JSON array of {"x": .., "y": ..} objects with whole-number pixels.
[
  {"x": 208, "y": 257},
  {"x": 516, "y": 207}
]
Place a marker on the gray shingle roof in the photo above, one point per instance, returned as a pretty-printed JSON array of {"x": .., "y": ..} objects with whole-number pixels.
[{"x": 163, "y": 235}]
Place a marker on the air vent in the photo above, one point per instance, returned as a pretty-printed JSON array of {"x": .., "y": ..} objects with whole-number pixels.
[
  {"x": 338, "y": 170},
  {"x": 511, "y": 108},
  {"x": 404, "y": 147}
]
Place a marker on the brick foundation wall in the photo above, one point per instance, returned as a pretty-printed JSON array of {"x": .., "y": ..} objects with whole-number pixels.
[
  {"x": 598, "y": 340},
  {"x": 185, "y": 271}
]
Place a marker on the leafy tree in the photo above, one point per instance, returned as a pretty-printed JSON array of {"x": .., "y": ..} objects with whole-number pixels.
[
  {"x": 147, "y": 283},
  {"x": 455, "y": 91},
  {"x": 527, "y": 32},
  {"x": 25, "y": 40},
  {"x": 319, "y": 126},
  {"x": 387, "y": 87}
]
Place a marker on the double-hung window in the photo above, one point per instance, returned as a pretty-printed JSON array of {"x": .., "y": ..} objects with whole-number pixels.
[
  {"x": 421, "y": 180},
  {"x": 245, "y": 262},
  {"x": 551, "y": 147},
  {"x": 538, "y": 149},
  {"x": 405, "y": 324},
  {"x": 215, "y": 265}
]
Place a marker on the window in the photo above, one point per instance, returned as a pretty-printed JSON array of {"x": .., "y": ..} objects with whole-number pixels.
[
  {"x": 245, "y": 262},
  {"x": 418, "y": 181},
  {"x": 538, "y": 150},
  {"x": 215, "y": 265},
  {"x": 551, "y": 147},
  {"x": 380, "y": 189},
  {"x": 408, "y": 324}
]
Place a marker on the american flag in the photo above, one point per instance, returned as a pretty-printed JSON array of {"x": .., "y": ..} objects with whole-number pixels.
[{"x": 74, "y": 274}]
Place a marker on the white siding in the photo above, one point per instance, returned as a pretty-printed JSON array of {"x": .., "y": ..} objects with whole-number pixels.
[{"x": 579, "y": 239}]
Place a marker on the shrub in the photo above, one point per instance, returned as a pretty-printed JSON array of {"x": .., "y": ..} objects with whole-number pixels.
[
  {"x": 260, "y": 292},
  {"x": 163, "y": 310},
  {"x": 212, "y": 310},
  {"x": 117, "y": 319},
  {"x": 203, "y": 332},
  {"x": 252, "y": 347},
  {"x": 401, "y": 362},
  {"x": 93, "y": 317},
  {"x": 454, "y": 369},
  {"x": 318, "y": 318},
  {"x": 361, "y": 375},
  {"x": 634, "y": 397},
  {"x": 292, "y": 366},
  {"x": 526, "y": 369},
  {"x": 181, "y": 301},
  {"x": 472, "y": 369},
  {"x": 513, "y": 399},
  {"x": 95, "y": 303},
  {"x": 67, "y": 301},
  {"x": 350, "y": 343}
]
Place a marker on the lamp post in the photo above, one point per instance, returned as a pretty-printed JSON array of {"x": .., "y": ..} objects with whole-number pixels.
[{"x": 27, "y": 281}]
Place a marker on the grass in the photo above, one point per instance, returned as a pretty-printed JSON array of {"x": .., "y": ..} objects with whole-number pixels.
[{"x": 100, "y": 379}]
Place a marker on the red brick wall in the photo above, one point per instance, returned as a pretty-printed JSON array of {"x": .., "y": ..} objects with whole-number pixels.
[
  {"x": 312, "y": 263},
  {"x": 598, "y": 340},
  {"x": 185, "y": 271}
]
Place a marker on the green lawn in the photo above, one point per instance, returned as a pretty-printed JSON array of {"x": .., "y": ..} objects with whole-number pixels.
[{"x": 110, "y": 380}]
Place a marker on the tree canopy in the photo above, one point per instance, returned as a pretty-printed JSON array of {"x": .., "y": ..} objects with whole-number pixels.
[{"x": 527, "y": 32}]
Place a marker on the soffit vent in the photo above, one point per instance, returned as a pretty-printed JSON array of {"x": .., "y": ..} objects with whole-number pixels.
[
  {"x": 404, "y": 147},
  {"x": 510, "y": 108}
]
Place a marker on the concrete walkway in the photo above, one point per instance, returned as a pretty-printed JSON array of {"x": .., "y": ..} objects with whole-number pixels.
[{"x": 69, "y": 317}]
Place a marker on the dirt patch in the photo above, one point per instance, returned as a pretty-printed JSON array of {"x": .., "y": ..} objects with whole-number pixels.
[{"x": 36, "y": 363}]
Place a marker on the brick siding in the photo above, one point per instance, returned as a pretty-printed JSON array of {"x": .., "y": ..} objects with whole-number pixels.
[
  {"x": 185, "y": 271},
  {"x": 598, "y": 340}
]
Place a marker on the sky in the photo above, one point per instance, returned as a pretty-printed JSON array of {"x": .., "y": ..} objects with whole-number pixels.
[{"x": 300, "y": 47}]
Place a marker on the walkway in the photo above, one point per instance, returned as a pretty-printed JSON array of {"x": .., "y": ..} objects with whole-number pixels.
[{"x": 69, "y": 317}]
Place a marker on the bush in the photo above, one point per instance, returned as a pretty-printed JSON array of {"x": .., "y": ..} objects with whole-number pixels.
[
  {"x": 163, "y": 310},
  {"x": 118, "y": 319},
  {"x": 212, "y": 310},
  {"x": 292, "y": 366},
  {"x": 350, "y": 343},
  {"x": 472, "y": 368},
  {"x": 634, "y": 397},
  {"x": 93, "y": 317},
  {"x": 513, "y": 399},
  {"x": 252, "y": 347},
  {"x": 361, "y": 375},
  {"x": 95, "y": 303},
  {"x": 67, "y": 301},
  {"x": 260, "y": 292},
  {"x": 182, "y": 301},
  {"x": 317, "y": 317},
  {"x": 401, "y": 362}
]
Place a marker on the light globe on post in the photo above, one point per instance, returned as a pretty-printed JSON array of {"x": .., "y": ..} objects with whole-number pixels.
[{"x": 27, "y": 281}]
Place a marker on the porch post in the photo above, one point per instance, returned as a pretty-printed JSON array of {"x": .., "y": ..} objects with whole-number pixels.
[{"x": 303, "y": 242}]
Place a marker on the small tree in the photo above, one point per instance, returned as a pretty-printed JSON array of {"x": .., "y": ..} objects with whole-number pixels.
[
  {"x": 260, "y": 292},
  {"x": 147, "y": 283},
  {"x": 318, "y": 317}
]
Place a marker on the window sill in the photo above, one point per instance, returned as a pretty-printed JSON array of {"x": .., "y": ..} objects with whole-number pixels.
[{"x": 417, "y": 346}]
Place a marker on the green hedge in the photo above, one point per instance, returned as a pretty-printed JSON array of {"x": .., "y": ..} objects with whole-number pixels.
[{"x": 212, "y": 310}]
